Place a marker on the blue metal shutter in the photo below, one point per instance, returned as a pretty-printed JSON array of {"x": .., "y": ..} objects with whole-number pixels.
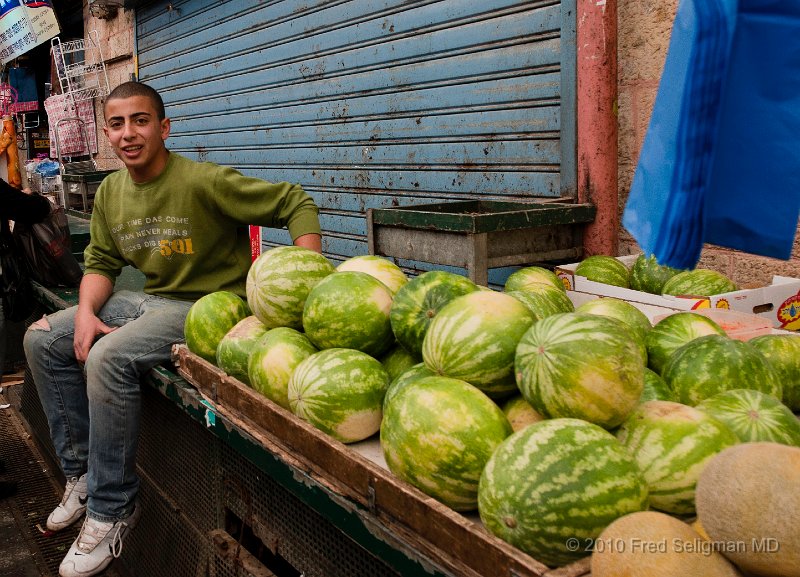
[{"x": 371, "y": 103}]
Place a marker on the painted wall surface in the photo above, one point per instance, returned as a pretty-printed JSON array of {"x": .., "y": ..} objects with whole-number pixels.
[{"x": 644, "y": 28}]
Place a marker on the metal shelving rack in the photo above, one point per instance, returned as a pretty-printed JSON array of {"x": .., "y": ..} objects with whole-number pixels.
[{"x": 80, "y": 67}]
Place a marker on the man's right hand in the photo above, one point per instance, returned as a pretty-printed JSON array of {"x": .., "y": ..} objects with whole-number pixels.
[{"x": 94, "y": 292}]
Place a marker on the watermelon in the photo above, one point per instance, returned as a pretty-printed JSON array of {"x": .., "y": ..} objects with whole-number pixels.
[
  {"x": 209, "y": 320},
  {"x": 623, "y": 311},
  {"x": 339, "y": 391},
  {"x": 673, "y": 331},
  {"x": 783, "y": 353},
  {"x": 233, "y": 351},
  {"x": 543, "y": 300},
  {"x": 655, "y": 388},
  {"x": 671, "y": 443},
  {"x": 349, "y": 310},
  {"x": 474, "y": 338},
  {"x": 274, "y": 359},
  {"x": 419, "y": 301},
  {"x": 551, "y": 488},
  {"x": 521, "y": 279},
  {"x": 604, "y": 269},
  {"x": 382, "y": 269},
  {"x": 437, "y": 435},
  {"x": 649, "y": 276},
  {"x": 715, "y": 363},
  {"x": 414, "y": 373},
  {"x": 754, "y": 416},
  {"x": 397, "y": 361},
  {"x": 520, "y": 413},
  {"x": 698, "y": 282},
  {"x": 279, "y": 281},
  {"x": 583, "y": 366}
]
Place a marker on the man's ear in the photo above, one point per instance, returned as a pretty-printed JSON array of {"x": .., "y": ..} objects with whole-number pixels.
[{"x": 165, "y": 128}]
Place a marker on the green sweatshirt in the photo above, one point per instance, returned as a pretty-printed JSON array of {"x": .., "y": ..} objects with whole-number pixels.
[{"x": 186, "y": 230}]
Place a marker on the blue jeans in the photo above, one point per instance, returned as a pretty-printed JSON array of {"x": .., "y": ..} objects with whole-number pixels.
[{"x": 93, "y": 410}]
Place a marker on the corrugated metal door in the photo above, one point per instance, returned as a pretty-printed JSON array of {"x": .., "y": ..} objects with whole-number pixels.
[{"x": 371, "y": 103}]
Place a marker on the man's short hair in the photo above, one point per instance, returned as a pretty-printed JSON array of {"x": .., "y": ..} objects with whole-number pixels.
[{"x": 130, "y": 89}]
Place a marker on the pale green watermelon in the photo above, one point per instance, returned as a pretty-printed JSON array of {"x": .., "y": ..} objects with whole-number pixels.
[
  {"x": 274, "y": 359},
  {"x": 520, "y": 279},
  {"x": 381, "y": 268},
  {"x": 438, "y": 433},
  {"x": 474, "y": 338},
  {"x": 349, "y": 310},
  {"x": 649, "y": 276},
  {"x": 655, "y": 388},
  {"x": 209, "y": 320},
  {"x": 279, "y": 281},
  {"x": 754, "y": 416},
  {"x": 419, "y": 301},
  {"x": 604, "y": 269},
  {"x": 698, "y": 282},
  {"x": 674, "y": 331},
  {"x": 520, "y": 413},
  {"x": 414, "y": 373},
  {"x": 715, "y": 363},
  {"x": 397, "y": 361},
  {"x": 672, "y": 443},
  {"x": 543, "y": 300},
  {"x": 622, "y": 311},
  {"x": 783, "y": 353},
  {"x": 340, "y": 391},
  {"x": 583, "y": 366},
  {"x": 233, "y": 351},
  {"x": 551, "y": 488}
]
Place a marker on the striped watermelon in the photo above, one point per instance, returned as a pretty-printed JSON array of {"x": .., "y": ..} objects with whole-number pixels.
[
  {"x": 339, "y": 391},
  {"x": 674, "y": 331},
  {"x": 671, "y": 443},
  {"x": 551, "y": 488},
  {"x": 655, "y": 388},
  {"x": 209, "y": 320},
  {"x": 578, "y": 365},
  {"x": 381, "y": 268},
  {"x": 715, "y": 363},
  {"x": 474, "y": 338},
  {"x": 649, "y": 276},
  {"x": 622, "y": 311},
  {"x": 520, "y": 413},
  {"x": 419, "y": 301},
  {"x": 543, "y": 300},
  {"x": 698, "y": 282},
  {"x": 604, "y": 269},
  {"x": 521, "y": 279},
  {"x": 414, "y": 373},
  {"x": 279, "y": 281},
  {"x": 273, "y": 361},
  {"x": 754, "y": 416},
  {"x": 438, "y": 433},
  {"x": 349, "y": 310},
  {"x": 397, "y": 361},
  {"x": 235, "y": 347},
  {"x": 783, "y": 353}
]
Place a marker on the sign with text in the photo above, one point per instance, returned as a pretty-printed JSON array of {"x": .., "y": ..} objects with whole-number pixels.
[{"x": 24, "y": 24}]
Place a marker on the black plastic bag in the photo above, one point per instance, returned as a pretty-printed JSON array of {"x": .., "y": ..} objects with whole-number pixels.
[
  {"x": 15, "y": 288},
  {"x": 46, "y": 246}
]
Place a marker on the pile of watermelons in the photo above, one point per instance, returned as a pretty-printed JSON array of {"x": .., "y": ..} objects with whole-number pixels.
[{"x": 562, "y": 426}]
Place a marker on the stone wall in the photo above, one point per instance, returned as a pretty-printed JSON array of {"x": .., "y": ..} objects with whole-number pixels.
[{"x": 643, "y": 38}]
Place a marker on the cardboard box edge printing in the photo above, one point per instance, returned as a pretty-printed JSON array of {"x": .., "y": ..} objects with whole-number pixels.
[{"x": 779, "y": 302}]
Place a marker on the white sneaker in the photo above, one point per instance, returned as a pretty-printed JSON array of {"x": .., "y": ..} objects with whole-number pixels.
[
  {"x": 72, "y": 506},
  {"x": 98, "y": 544}
]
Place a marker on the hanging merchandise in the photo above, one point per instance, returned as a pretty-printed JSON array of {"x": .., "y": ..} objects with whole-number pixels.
[
  {"x": 24, "y": 82},
  {"x": 723, "y": 135},
  {"x": 77, "y": 134},
  {"x": 9, "y": 135}
]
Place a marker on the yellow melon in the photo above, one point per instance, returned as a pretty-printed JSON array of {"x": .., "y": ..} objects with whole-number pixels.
[
  {"x": 653, "y": 544},
  {"x": 749, "y": 495}
]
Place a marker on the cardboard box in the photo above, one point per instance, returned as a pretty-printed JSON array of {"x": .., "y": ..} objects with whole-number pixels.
[{"x": 779, "y": 302}]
